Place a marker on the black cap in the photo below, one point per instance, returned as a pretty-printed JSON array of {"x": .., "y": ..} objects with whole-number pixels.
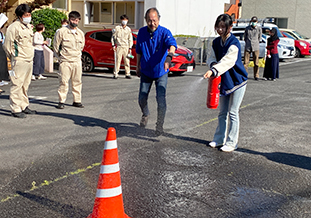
[{"x": 254, "y": 19}]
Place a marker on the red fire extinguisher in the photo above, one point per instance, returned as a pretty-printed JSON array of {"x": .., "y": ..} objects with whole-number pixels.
[{"x": 213, "y": 92}]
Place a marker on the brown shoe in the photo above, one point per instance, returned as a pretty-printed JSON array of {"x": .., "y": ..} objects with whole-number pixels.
[
  {"x": 19, "y": 115},
  {"x": 143, "y": 121},
  {"x": 159, "y": 130},
  {"x": 28, "y": 111},
  {"x": 60, "y": 105},
  {"x": 78, "y": 104}
]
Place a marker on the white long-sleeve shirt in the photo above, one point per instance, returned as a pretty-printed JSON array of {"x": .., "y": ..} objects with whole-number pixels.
[
  {"x": 226, "y": 62},
  {"x": 38, "y": 41}
]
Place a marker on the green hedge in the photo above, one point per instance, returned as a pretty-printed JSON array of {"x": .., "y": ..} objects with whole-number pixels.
[{"x": 50, "y": 18}]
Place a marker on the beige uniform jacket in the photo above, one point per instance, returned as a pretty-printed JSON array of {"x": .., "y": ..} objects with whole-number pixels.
[
  {"x": 18, "y": 43},
  {"x": 67, "y": 45},
  {"x": 122, "y": 37}
]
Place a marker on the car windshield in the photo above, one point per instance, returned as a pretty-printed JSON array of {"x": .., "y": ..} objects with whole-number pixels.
[
  {"x": 279, "y": 33},
  {"x": 266, "y": 30},
  {"x": 289, "y": 36},
  {"x": 300, "y": 35}
]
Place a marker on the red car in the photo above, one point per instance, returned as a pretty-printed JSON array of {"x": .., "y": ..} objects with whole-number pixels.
[
  {"x": 303, "y": 48},
  {"x": 98, "y": 52}
]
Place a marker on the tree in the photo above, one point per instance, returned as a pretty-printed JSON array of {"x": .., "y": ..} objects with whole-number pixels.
[
  {"x": 38, "y": 3},
  {"x": 4, "y": 6},
  {"x": 50, "y": 18}
]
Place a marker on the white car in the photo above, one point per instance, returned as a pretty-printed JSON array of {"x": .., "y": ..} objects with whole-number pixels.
[
  {"x": 286, "y": 46},
  {"x": 296, "y": 35},
  {"x": 262, "y": 45}
]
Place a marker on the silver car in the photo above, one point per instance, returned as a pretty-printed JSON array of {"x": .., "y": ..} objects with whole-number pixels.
[{"x": 262, "y": 44}]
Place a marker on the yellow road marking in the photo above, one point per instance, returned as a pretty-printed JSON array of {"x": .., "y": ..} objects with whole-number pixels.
[
  {"x": 206, "y": 122},
  {"x": 214, "y": 119},
  {"x": 46, "y": 183}
]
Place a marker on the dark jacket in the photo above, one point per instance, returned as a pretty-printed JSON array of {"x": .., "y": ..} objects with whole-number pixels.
[{"x": 235, "y": 77}]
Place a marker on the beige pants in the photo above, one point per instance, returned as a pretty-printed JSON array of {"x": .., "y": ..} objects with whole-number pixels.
[
  {"x": 122, "y": 52},
  {"x": 255, "y": 60},
  {"x": 67, "y": 71},
  {"x": 20, "y": 83}
]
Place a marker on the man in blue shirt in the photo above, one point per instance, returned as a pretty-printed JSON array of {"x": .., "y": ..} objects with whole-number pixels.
[{"x": 155, "y": 49}]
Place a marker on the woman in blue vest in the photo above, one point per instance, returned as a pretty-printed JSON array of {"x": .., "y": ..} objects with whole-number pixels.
[{"x": 226, "y": 61}]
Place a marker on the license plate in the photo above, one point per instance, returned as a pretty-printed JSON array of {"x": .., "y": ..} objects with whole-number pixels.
[{"x": 189, "y": 68}]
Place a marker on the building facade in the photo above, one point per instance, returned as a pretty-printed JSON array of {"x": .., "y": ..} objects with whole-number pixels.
[
  {"x": 182, "y": 17},
  {"x": 290, "y": 14}
]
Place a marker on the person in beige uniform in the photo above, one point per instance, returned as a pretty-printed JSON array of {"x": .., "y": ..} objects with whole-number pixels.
[
  {"x": 68, "y": 44},
  {"x": 122, "y": 42},
  {"x": 20, "y": 50}
]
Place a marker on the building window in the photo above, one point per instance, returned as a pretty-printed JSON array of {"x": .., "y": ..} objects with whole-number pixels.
[
  {"x": 60, "y": 4},
  {"x": 127, "y": 8},
  {"x": 108, "y": 12}
]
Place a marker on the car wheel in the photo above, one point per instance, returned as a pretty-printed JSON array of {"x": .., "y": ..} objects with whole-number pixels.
[
  {"x": 87, "y": 63},
  {"x": 297, "y": 53}
]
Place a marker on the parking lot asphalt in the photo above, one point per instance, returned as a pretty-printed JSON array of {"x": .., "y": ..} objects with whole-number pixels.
[{"x": 50, "y": 162}]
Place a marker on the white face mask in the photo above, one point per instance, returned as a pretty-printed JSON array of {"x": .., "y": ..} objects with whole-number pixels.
[
  {"x": 254, "y": 24},
  {"x": 64, "y": 25},
  {"x": 124, "y": 22},
  {"x": 26, "y": 20}
]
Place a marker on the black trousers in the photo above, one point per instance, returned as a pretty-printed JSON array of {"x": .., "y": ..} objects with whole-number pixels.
[
  {"x": 38, "y": 63},
  {"x": 4, "y": 75}
]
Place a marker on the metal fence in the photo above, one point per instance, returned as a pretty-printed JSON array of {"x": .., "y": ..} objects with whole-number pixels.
[{"x": 200, "y": 47}]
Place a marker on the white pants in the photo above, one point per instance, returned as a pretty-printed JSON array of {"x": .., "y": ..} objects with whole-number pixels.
[
  {"x": 67, "y": 71},
  {"x": 122, "y": 52}
]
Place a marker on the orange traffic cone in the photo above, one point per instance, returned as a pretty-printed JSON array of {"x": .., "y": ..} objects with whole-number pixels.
[{"x": 109, "y": 201}]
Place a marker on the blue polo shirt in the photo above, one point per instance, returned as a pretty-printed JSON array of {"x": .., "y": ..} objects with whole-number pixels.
[{"x": 153, "y": 48}]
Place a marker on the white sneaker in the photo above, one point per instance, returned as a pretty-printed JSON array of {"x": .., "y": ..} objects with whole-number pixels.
[
  {"x": 33, "y": 77},
  {"x": 214, "y": 145},
  {"x": 41, "y": 77},
  {"x": 226, "y": 148},
  {"x": 4, "y": 83}
]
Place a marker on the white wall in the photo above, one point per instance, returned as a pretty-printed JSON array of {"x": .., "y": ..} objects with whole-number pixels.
[
  {"x": 297, "y": 12},
  {"x": 188, "y": 17}
]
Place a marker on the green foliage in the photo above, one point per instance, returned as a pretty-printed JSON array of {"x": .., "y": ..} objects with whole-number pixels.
[
  {"x": 186, "y": 36},
  {"x": 50, "y": 18}
]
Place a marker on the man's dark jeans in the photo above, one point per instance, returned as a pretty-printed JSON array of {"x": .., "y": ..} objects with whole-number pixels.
[{"x": 145, "y": 86}]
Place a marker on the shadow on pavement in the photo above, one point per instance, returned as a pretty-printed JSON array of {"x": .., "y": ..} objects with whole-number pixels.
[
  {"x": 64, "y": 209},
  {"x": 294, "y": 160},
  {"x": 123, "y": 129}
]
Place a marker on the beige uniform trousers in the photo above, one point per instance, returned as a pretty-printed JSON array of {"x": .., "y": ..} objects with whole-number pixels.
[
  {"x": 122, "y": 52},
  {"x": 20, "y": 83},
  {"x": 67, "y": 71},
  {"x": 255, "y": 60}
]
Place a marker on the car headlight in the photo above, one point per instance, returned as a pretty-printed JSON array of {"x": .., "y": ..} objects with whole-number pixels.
[
  {"x": 176, "y": 55},
  {"x": 303, "y": 44}
]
